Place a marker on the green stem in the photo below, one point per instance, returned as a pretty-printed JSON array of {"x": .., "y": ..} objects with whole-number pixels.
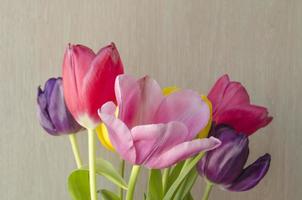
[
  {"x": 122, "y": 172},
  {"x": 165, "y": 179},
  {"x": 92, "y": 175},
  {"x": 207, "y": 191},
  {"x": 75, "y": 150},
  {"x": 132, "y": 182}
]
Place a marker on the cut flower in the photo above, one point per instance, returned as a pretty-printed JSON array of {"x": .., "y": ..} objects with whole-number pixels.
[{"x": 154, "y": 130}]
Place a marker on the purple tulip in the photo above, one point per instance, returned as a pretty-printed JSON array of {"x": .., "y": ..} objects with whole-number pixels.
[
  {"x": 225, "y": 164},
  {"x": 53, "y": 114}
]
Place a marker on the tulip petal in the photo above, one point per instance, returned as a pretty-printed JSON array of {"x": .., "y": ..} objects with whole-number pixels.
[
  {"x": 99, "y": 79},
  {"x": 77, "y": 59},
  {"x": 182, "y": 151},
  {"x": 246, "y": 118},
  {"x": 216, "y": 93},
  {"x": 119, "y": 133},
  {"x": 187, "y": 107},
  {"x": 150, "y": 140},
  {"x": 235, "y": 94},
  {"x": 226, "y": 94},
  {"x": 42, "y": 113},
  {"x": 251, "y": 175},
  {"x": 224, "y": 164},
  {"x": 58, "y": 112},
  {"x": 138, "y": 100}
]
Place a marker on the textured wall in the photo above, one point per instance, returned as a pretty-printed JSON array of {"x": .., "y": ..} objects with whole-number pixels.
[{"x": 184, "y": 43}]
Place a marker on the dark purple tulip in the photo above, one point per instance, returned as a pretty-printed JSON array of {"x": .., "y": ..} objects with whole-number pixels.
[
  {"x": 53, "y": 114},
  {"x": 225, "y": 165}
]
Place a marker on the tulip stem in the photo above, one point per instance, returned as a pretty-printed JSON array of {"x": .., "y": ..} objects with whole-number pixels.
[
  {"x": 165, "y": 179},
  {"x": 75, "y": 150},
  {"x": 132, "y": 182},
  {"x": 92, "y": 160},
  {"x": 207, "y": 191},
  {"x": 122, "y": 172}
]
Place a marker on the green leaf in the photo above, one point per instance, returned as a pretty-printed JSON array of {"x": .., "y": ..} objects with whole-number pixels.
[
  {"x": 174, "y": 174},
  {"x": 189, "y": 196},
  {"x": 155, "y": 187},
  {"x": 184, "y": 172},
  {"x": 186, "y": 185},
  {"x": 108, "y": 195},
  {"x": 106, "y": 169},
  {"x": 78, "y": 185}
]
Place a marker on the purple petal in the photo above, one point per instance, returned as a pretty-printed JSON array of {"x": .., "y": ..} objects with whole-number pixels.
[
  {"x": 224, "y": 164},
  {"x": 42, "y": 113},
  {"x": 58, "y": 112},
  {"x": 187, "y": 107},
  {"x": 251, "y": 175},
  {"x": 138, "y": 100},
  {"x": 119, "y": 133},
  {"x": 182, "y": 151}
]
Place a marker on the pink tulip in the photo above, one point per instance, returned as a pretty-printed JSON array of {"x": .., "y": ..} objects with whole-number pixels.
[
  {"x": 231, "y": 106},
  {"x": 88, "y": 81},
  {"x": 154, "y": 130}
]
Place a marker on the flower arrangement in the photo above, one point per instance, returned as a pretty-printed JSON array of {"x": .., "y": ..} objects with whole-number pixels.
[{"x": 176, "y": 133}]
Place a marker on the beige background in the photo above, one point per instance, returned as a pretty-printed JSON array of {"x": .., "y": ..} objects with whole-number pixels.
[{"x": 186, "y": 43}]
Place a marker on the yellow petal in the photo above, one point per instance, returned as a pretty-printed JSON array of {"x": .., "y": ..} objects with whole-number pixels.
[
  {"x": 103, "y": 136},
  {"x": 170, "y": 90},
  {"x": 204, "y": 132}
]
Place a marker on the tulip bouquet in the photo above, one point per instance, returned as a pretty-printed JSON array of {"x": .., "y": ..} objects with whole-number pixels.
[{"x": 177, "y": 134}]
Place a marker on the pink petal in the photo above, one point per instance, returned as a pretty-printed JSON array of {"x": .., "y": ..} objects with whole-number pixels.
[
  {"x": 246, "y": 118},
  {"x": 77, "y": 59},
  {"x": 182, "y": 151},
  {"x": 138, "y": 100},
  {"x": 187, "y": 107},
  {"x": 150, "y": 140},
  {"x": 216, "y": 93},
  {"x": 98, "y": 83},
  {"x": 119, "y": 133},
  {"x": 235, "y": 94}
]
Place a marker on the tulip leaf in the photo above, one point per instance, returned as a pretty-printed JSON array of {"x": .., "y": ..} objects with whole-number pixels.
[
  {"x": 188, "y": 196},
  {"x": 174, "y": 174},
  {"x": 186, "y": 185},
  {"x": 106, "y": 169},
  {"x": 155, "y": 187},
  {"x": 78, "y": 185},
  {"x": 188, "y": 166},
  {"x": 108, "y": 195}
]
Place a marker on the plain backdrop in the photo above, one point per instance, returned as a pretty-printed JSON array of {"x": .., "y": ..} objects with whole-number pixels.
[{"x": 185, "y": 43}]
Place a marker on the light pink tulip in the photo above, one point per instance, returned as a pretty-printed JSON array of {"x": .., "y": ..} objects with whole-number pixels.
[{"x": 154, "y": 130}]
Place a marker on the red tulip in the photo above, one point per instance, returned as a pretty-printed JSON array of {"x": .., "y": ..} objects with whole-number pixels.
[
  {"x": 231, "y": 106},
  {"x": 88, "y": 81}
]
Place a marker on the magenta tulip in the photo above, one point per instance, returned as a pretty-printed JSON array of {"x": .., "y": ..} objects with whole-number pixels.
[
  {"x": 232, "y": 107},
  {"x": 154, "y": 130},
  {"x": 88, "y": 81}
]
